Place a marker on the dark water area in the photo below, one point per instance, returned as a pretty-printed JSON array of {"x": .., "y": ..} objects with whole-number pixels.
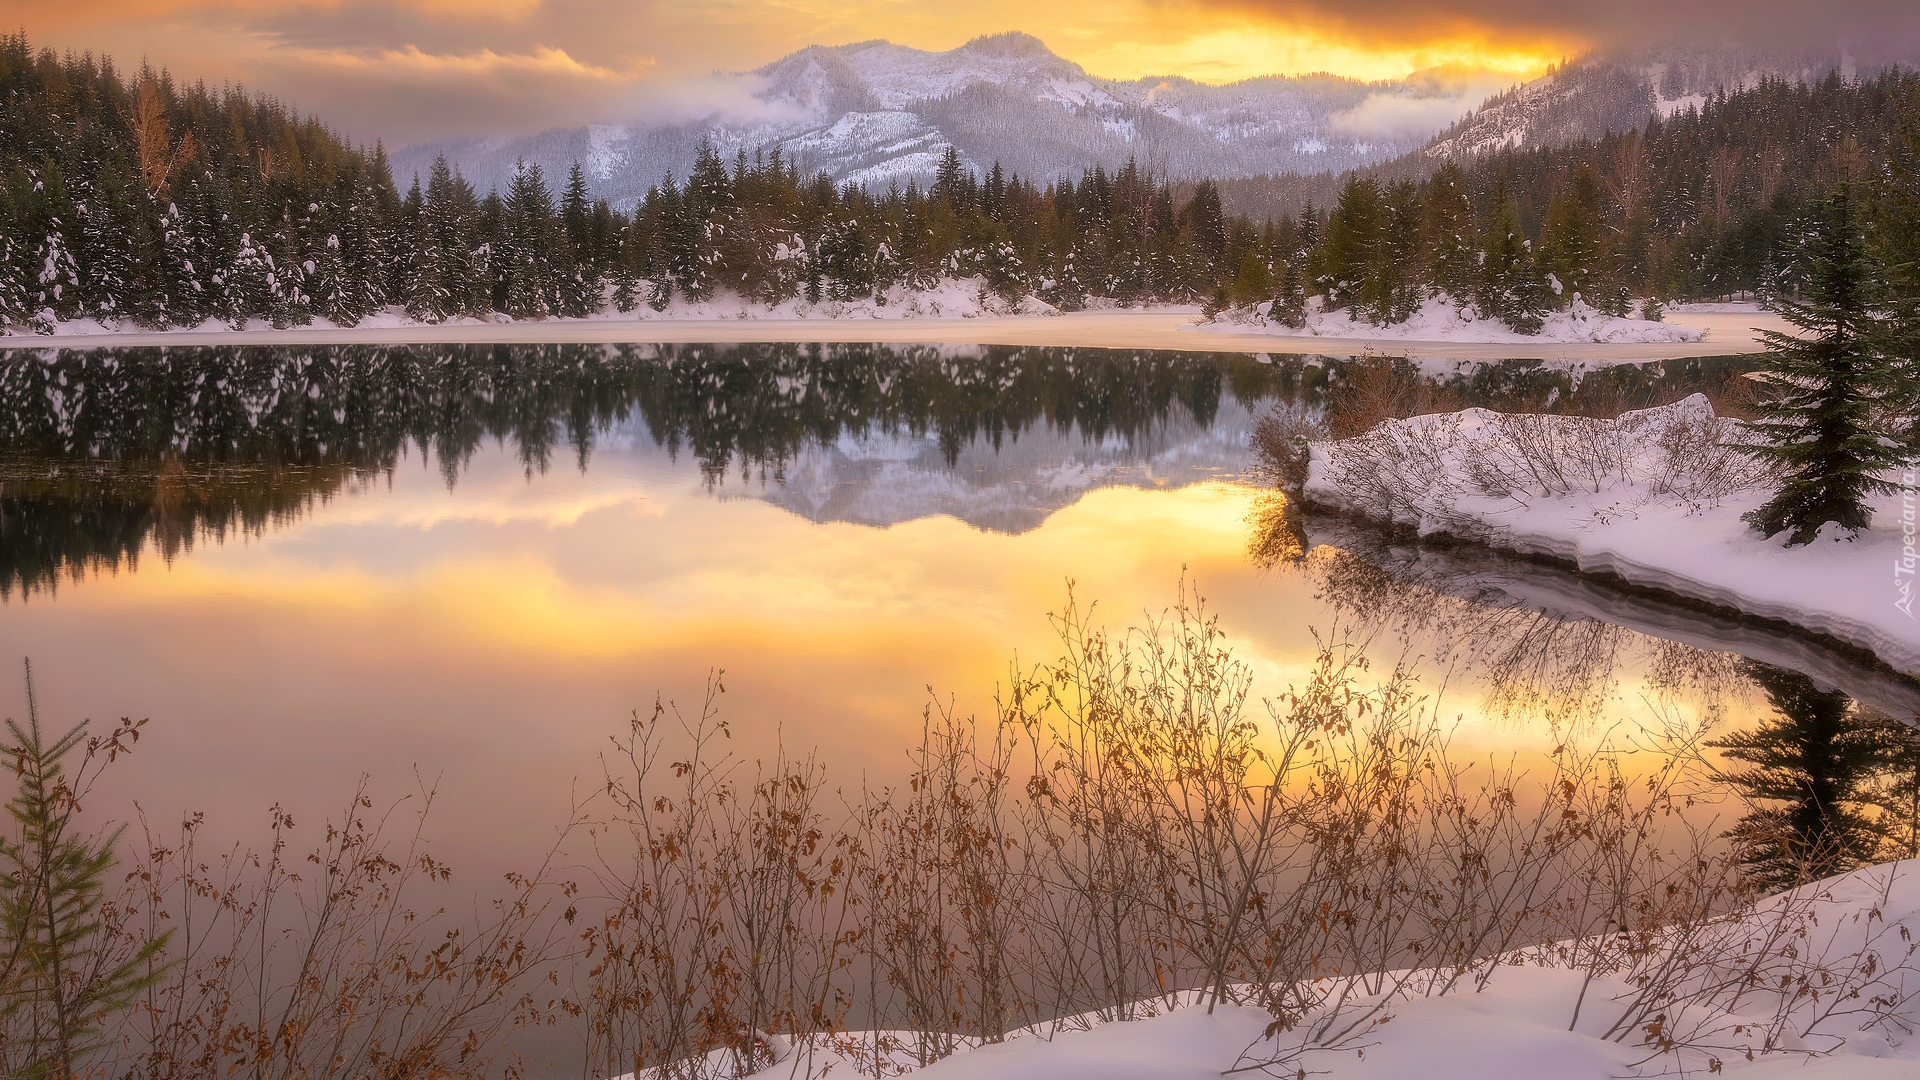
[{"x": 466, "y": 567}]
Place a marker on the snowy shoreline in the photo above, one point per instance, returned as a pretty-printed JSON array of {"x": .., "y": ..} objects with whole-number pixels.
[
  {"x": 1440, "y": 319},
  {"x": 1636, "y": 510},
  {"x": 958, "y": 319},
  {"x": 1537, "y": 1016}
]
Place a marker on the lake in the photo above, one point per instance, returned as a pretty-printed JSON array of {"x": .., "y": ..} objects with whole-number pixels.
[{"x": 466, "y": 566}]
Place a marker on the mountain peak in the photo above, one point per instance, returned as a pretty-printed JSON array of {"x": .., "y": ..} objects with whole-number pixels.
[{"x": 1010, "y": 45}]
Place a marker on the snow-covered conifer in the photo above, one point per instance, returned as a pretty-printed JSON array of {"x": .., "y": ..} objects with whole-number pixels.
[{"x": 1827, "y": 421}]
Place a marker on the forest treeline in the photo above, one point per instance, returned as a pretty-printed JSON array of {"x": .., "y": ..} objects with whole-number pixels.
[{"x": 130, "y": 198}]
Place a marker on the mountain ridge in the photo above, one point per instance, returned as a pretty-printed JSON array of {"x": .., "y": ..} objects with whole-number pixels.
[{"x": 878, "y": 113}]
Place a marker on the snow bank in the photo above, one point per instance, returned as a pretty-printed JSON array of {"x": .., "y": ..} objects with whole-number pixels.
[
  {"x": 1654, "y": 497},
  {"x": 1521, "y": 1025},
  {"x": 1440, "y": 319},
  {"x": 951, "y": 298}
]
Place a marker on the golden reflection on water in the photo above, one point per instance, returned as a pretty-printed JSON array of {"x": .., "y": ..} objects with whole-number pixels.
[{"x": 494, "y": 634}]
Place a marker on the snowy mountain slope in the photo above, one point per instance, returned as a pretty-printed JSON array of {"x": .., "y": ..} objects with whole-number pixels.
[
  {"x": 880, "y": 113},
  {"x": 1617, "y": 91}
]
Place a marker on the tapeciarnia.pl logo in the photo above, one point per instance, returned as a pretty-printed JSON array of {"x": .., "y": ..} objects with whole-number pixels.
[{"x": 1903, "y": 567}]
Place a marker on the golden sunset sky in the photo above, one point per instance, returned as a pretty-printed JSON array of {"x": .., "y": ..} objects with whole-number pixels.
[{"x": 407, "y": 70}]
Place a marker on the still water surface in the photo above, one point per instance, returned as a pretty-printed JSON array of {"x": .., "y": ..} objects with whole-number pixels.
[{"x": 472, "y": 563}]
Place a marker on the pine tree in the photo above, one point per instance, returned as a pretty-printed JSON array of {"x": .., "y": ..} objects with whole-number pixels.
[
  {"x": 105, "y": 233},
  {"x": 246, "y": 284},
  {"x": 1510, "y": 287},
  {"x": 1895, "y": 248},
  {"x": 1290, "y": 297},
  {"x": 287, "y": 271},
  {"x": 950, "y": 180},
  {"x": 526, "y": 258},
  {"x": 1253, "y": 282},
  {"x": 1573, "y": 245},
  {"x": 1831, "y": 393},
  {"x": 1354, "y": 234},
  {"x": 57, "y": 981},
  {"x": 13, "y": 265},
  {"x": 56, "y": 291},
  {"x": 1394, "y": 286},
  {"x": 579, "y": 271},
  {"x": 1448, "y": 234}
]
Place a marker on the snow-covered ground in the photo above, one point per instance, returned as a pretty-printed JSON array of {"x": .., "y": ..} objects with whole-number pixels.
[
  {"x": 1522, "y": 1024},
  {"x": 953, "y": 314},
  {"x": 1439, "y": 319},
  {"x": 1654, "y": 497}
]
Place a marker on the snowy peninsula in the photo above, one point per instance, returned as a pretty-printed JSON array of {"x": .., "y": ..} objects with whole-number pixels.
[{"x": 1654, "y": 498}]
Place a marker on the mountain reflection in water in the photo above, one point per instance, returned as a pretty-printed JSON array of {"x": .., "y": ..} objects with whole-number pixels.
[
  {"x": 102, "y": 451},
  {"x": 373, "y": 558}
]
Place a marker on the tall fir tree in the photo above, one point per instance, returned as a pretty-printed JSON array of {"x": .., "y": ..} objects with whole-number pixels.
[
  {"x": 1395, "y": 285},
  {"x": 526, "y": 256},
  {"x": 1355, "y": 231},
  {"x": 1894, "y": 244},
  {"x": 1449, "y": 236},
  {"x": 579, "y": 271},
  {"x": 1573, "y": 245},
  {"x": 1832, "y": 396},
  {"x": 1510, "y": 286}
]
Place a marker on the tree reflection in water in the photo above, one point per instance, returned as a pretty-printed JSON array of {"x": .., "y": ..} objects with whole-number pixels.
[
  {"x": 1829, "y": 781},
  {"x": 1831, "y": 784},
  {"x": 103, "y": 450}
]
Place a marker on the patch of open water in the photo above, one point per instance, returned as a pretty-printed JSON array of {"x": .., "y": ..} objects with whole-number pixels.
[{"x": 471, "y": 563}]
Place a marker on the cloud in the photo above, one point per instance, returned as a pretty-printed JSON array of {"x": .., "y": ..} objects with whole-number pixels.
[
  {"x": 1418, "y": 114},
  {"x": 411, "y": 62},
  {"x": 1613, "y": 21}
]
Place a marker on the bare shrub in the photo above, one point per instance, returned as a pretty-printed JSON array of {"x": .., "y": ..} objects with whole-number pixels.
[
  {"x": 319, "y": 965},
  {"x": 1131, "y": 830},
  {"x": 1426, "y": 472},
  {"x": 1377, "y": 388},
  {"x": 721, "y": 924},
  {"x": 1279, "y": 442}
]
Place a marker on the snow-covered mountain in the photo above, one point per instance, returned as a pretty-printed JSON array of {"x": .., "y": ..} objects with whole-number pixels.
[
  {"x": 1618, "y": 91},
  {"x": 880, "y": 113}
]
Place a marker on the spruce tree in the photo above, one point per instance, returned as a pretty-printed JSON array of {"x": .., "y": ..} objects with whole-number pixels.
[
  {"x": 526, "y": 259},
  {"x": 1510, "y": 286},
  {"x": 1830, "y": 392},
  {"x": 1895, "y": 247},
  {"x": 58, "y": 979},
  {"x": 246, "y": 283},
  {"x": 1573, "y": 245},
  {"x": 1448, "y": 234},
  {"x": 1394, "y": 285},
  {"x": 1290, "y": 296},
  {"x": 1355, "y": 231},
  {"x": 13, "y": 265},
  {"x": 579, "y": 269}
]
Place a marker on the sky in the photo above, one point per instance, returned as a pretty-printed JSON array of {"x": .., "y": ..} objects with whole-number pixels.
[{"x": 418, "y": 70}]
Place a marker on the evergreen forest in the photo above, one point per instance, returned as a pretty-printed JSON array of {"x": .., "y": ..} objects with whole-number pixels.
[{"x": 133, "y": 200}]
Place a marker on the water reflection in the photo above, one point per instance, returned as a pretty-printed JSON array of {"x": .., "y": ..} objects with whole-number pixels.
[
  {"x": 1824, "y": 774},
  {"x": 1832, "y": 784},
  {"x": 479, "y": 559},
  {"x": 102, "y": 451}
]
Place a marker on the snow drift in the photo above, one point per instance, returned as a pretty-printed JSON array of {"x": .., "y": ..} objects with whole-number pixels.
[{"x": 1654, "y": 497}]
